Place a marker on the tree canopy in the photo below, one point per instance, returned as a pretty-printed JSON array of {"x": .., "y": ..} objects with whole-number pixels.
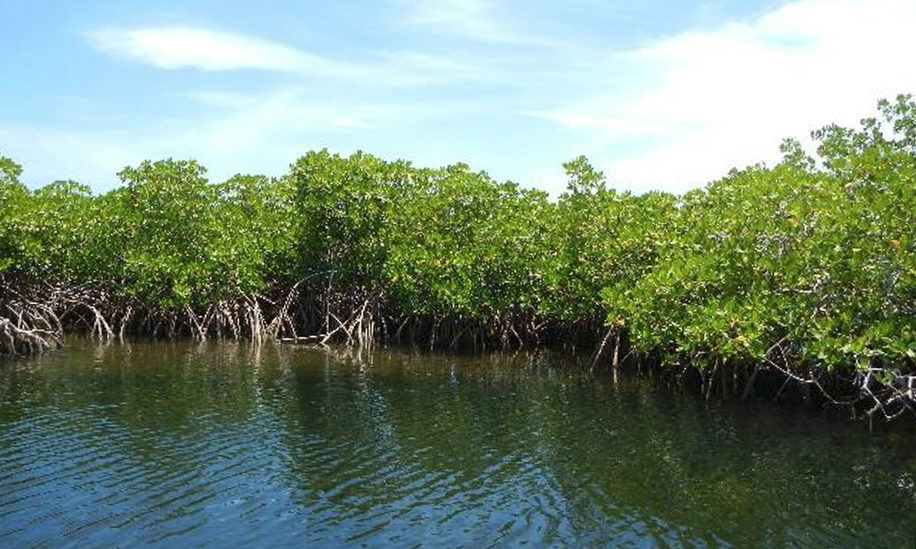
[{"x": 809, "y": 264}]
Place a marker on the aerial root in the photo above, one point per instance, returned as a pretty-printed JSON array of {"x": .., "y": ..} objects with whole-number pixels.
[{"x": 28, "y": 328}]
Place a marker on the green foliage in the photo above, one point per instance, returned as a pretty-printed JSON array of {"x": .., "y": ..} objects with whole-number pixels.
[
  {"x": 812, "y": 264},
  {"x": 605, "y": 241},
  {"x": 343, "y": 206},
  {"x": 462, "y": 244},
  {"x": 440, "y": 242},
  {"x": 819, "y": 263},
  {"x": 186, "y": 241},
  {"x": 170, "y": 239},
  {"x": 15, "y": 238},
  {"x": 67, "y": 230},
  {"x": 258, "y": 232}
]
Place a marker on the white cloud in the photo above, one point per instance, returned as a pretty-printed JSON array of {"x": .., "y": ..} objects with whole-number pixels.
[
  {"x": 477, "y": 20},
  {"x": 675, "y": 113},
  {"x": 468, "y": 17},
  {"x": 377, "y": 94},
  {"x": 187, "y": 47},
  {"x": 231, "y": 133},
  {"x": 716, "y": 99},
  {"x": 553, "y": 180},
  {"x": 210, "y": 50},
  {"x": 468, "y": 14}
]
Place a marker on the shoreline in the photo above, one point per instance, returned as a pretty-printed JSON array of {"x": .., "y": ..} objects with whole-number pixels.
[{"x": 806, "y": 268}]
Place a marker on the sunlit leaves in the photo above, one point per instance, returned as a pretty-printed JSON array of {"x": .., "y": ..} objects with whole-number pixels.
[{"x": 815, "y": 262}]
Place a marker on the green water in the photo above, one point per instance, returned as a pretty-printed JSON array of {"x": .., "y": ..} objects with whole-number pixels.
[{"x": 225, "y": 445}]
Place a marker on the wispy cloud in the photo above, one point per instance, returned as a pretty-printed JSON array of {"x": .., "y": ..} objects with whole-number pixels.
[
  {"x": 472, "y": 79},
  {"x": 715, "y": 99},
  {"x": 469, "y": 17},
  {"x": 230, "y": 133},
  {"x": 187, "y": 47},
  {"x": 212, "y": 50},
  {"x": 379, "y": 92},
  {"x": 478, "y": 20}
]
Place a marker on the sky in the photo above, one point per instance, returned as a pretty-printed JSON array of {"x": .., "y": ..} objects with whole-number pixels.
[{"x": 660, "y": 94}]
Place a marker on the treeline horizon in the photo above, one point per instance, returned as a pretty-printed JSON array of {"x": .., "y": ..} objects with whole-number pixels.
[{"x": 806, "y": 268}]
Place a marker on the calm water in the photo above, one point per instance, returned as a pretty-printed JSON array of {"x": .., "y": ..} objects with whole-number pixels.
[{"x": 169, "y": 444}]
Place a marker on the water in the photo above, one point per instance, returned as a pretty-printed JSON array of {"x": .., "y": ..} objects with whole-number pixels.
[{"x": 175, "y": 444}]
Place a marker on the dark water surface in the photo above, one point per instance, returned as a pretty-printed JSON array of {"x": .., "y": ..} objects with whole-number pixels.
[{"x": 216, "y": 445}]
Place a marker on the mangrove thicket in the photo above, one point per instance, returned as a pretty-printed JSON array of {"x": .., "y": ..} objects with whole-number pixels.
[{"x": 803, "y": 272}]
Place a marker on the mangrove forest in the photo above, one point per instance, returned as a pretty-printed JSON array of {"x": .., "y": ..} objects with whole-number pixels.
[{"x": 796, "y": 280}]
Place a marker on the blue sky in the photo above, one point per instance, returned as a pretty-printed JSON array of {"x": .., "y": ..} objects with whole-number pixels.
[{"x": 661, "y": 95}]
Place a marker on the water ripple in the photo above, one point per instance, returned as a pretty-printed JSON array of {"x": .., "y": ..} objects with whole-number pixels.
[{"x": 214, "y": 445}]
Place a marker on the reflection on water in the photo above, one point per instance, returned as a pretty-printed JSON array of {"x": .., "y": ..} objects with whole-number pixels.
[{"x": 160, "y": 443}]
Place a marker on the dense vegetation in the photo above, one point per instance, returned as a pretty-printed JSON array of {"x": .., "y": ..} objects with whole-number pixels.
[{"x": 806, "y": 268}]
